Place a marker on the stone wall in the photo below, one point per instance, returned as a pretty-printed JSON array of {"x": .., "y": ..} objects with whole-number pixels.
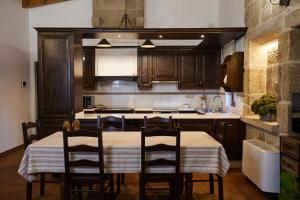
[
  {"x": 109, "y": 13},
  {"x": 276, "y": 71}
]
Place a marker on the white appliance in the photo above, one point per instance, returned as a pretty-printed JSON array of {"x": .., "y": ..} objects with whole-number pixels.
[
  {"x": 116, "y": 62},
  {"x": 261, "y": 164}
]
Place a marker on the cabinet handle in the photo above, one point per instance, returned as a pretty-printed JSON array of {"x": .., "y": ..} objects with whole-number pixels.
[{"x": 200, "y": 82}]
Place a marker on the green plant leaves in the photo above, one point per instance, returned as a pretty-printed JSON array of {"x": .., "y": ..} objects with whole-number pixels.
[
  {"x": 266, "y": 104},
  {"x": 289, "y": 187}
]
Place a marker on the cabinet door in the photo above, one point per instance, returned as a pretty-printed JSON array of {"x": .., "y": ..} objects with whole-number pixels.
[
  {"x": 50, "y": 126},
  {"x": 188, "y": 64},
  {"x": 89, "y": 82},
  {"x": 144, "y": 69},
  {"x": 233, "y": 139},
  {"x": 164, "y": 65},
  {"x": 211, "y": 70},
  {"x": 235, "y": 72},
  {"x": 55, "y": 75}
]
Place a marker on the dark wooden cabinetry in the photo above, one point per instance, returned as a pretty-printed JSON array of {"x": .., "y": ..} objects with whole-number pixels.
[
  {"x": 189, "y": 67},
  {"x": 59, "y": 76},
  {"x": 164, "y": 66},
  {"x": 235, "y": 134},
  {"x": 211, "y": 71},
  {"x": 192, "y": 68},
  {"x": 234, "y": 69},
  {"x": 89, "y": 81},
  {"x": 206, "y": 125},
  {"x": 144, "y": 69}
]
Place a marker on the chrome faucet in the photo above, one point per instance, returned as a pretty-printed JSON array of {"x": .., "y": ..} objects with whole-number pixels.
[{"x": 220, "y": 108}]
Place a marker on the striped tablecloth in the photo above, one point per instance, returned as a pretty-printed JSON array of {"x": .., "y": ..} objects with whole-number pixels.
[{"x": 122, "y": 153}]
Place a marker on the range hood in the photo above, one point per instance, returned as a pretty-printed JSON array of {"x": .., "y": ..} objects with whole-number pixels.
[{"x": 115, "y": 63}]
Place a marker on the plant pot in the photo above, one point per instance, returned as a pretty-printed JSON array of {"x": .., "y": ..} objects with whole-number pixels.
[{"x": 267, "y": 117}]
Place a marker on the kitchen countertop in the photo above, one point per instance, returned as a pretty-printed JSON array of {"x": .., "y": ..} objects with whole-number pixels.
[{"x": 82, "y": 115}]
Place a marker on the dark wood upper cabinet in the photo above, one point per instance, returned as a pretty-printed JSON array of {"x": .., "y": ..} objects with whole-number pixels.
[
  {"x": 235, "y": 73},
  {"x": 144, "y": 70},
  {"x": 164, "y": 65},
  {"x": 188, "y": 68},
  {"x": 89, "y": 81},
  {"x": 210, "y": 76}
]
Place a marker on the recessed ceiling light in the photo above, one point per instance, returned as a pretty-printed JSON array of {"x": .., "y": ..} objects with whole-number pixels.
[
  {"x": 202, "y": 36},
  {"x": 119, "y": 36},
  {"x": 160, "y": 36}
]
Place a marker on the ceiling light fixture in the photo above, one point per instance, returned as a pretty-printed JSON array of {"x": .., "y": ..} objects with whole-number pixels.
[
  {"x": 160, "y": 36},
  {"x": 148, "y": 44},
  {"x": 280, "y": 2},
  {"x": 104, "y": 44},
  {"x": 202, "y": 36}
]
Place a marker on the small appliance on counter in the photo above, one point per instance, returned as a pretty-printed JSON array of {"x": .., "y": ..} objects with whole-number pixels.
[{"x": 88, "y": 101}]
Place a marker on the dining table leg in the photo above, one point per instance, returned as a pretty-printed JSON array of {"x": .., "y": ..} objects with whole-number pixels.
[
  {"x": 211, "y": 184},
  {"x": 220, "y": 187},
  {"x": 189, "y": 186}
]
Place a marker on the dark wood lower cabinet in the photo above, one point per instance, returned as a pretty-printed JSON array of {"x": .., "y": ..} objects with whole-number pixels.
[
  {"x": 206, "y": 125},
  {"x": 50, "y": 126},
  {"x": 235, "y": 134}
]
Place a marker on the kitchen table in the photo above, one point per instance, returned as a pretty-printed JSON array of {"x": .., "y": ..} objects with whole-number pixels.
[{"x": 200, "y": 153}]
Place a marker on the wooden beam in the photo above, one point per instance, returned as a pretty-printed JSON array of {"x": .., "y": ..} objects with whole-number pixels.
[{"x": 36, "y": 3}]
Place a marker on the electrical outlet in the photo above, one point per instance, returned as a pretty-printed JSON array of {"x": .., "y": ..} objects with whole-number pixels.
[{"x": 23, "y": 84}]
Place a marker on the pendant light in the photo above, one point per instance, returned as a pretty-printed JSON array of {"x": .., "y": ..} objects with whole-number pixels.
[
  {"x": 104, "y": 44},
  {"x": 148, "y": 44}
]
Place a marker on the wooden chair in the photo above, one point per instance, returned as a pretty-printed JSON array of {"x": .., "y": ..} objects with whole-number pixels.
[
  {"x": 73, "y": 182},
  {"x": 147, "y": 177},
  {"x": 112, "y": 123},
  {"x": 219, "y": 134},
  {"x": 158, "y": 122},
  {"x": 29, "y": 138}
]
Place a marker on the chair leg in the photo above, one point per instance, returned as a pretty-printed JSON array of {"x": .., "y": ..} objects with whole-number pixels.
[
  {"x": 28, "y": 190},
  {"x": 111, "y": 180},
  {"x": 211, "y": 184},
  {"x": 189, "y": 186},
  {"x": 42, "y": 184},
  {"x": 142, "y": 189},
  {"x": 118, "y": 183},
  {"x": 220, "y": 188},
  {"x": 123, "y": 179}
]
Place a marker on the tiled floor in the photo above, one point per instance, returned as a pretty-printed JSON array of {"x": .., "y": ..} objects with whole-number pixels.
[{"x": 13, "y": 187}]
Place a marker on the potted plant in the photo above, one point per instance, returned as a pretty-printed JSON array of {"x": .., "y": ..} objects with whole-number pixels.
[{"x": 265, "y": 107}]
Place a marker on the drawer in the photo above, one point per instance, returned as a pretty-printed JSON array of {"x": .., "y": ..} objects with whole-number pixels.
[
  {"x": 290, "y": 165},
  {"x": 290, "y": 147}
]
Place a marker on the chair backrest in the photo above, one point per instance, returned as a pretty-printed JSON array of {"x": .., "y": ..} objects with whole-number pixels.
[
  {"x": 158, "y": 122},
  {"x": 220, "y": 131},
  {"x": 160, "y": 147},
  {"x": 27, "y": 137},
  {"x": 85, "y": 163},
  {"x": 111, "y": 123}
]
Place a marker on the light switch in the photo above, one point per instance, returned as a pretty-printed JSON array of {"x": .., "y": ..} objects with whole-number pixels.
[{"x": 23, "y": 84}]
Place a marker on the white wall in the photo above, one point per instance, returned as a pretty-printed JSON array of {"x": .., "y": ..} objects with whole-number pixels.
[
  {"x": 181, "y": 13},
  {"x": 231, "y": 13},
  {"x": 14, "y": 67}
]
